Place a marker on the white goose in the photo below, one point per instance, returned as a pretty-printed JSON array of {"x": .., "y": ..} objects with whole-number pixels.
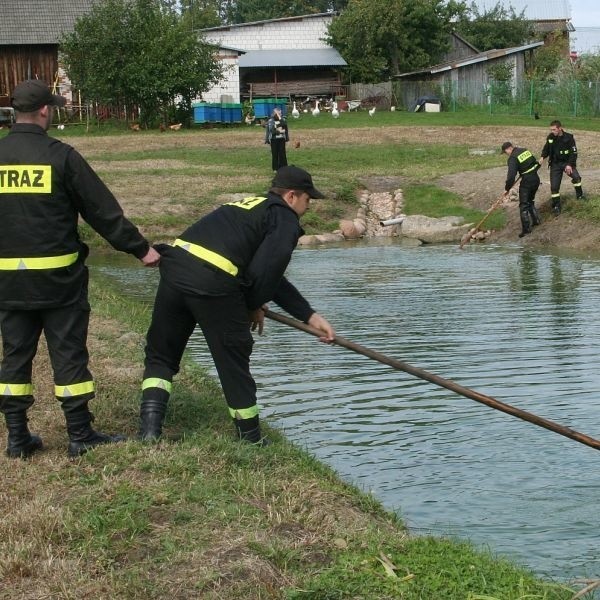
[
  {"x": 372, "y": 111},
  {"x": 335, "y": 113},
  {"x": 315, "y": 111},
  {"x": 295, "y": 111}
]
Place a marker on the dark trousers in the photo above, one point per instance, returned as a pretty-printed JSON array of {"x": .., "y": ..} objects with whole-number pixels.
[
  {"x": 527, "y": 191},
  {"x": 278, "y": 156},
  {"x": 556, "y": 175},
  {"x": 65, "y": 329},
  {"x": 224, "y": 323}
]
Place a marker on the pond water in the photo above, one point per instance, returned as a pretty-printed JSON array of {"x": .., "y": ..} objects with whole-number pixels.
[{"x": 518, "y": 325}]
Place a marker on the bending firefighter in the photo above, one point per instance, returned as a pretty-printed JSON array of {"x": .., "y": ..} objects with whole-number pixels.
[
  {"x": 561, "y": 151},
  {"x": 45, "y": 186},
  {"x": 219, "y": 274},
  {"x": 521, "y": 162}
]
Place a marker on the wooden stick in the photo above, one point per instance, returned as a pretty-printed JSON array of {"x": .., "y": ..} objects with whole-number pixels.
[
  {"x": 465, "y": 238},
  {"x": 445, "y": 383}
]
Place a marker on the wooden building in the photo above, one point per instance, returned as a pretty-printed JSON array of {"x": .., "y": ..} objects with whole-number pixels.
[
  {"x": 468, "y": 77},
  {"x": 279, "y": 57},
  {"x": 29, "y": 39}
]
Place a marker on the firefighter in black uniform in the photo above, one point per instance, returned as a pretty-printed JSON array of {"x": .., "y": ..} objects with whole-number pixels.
[
  {"x": 219, "y": 274},
  {"x": 44, "y": 186},
  {"x": 561, "y": 150},
  {"x": 521, "y": 161}
]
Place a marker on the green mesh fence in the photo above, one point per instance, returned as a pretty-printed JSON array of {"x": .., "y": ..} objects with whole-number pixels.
[{"x": 569, "y": 98}]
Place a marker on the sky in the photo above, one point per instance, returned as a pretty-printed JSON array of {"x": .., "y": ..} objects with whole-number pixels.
[{"x": 585, "y": 13}]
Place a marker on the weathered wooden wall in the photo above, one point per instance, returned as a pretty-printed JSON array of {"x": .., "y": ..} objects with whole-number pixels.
[{"x": 27, "y": 62}]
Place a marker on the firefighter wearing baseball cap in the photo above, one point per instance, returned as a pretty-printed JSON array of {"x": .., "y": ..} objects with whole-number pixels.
[
  {"x": 219, "y": 274},
  {"x": 523, "y": 163},
  {"x": 45, "y": 185}
]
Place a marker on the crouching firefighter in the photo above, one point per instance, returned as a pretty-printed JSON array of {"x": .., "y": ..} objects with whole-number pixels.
[
  {"x": 44, "y": 186},
  {"x": 219, "y": 274},
  {"x": 523, "y": 163}
]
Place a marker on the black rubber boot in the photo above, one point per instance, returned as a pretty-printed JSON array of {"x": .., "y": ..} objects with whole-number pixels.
[
  {"x": 556, "y": 206},
  {"x": 82, "y": 436},
  {"x": 152, "y": 415},
  {"x": 535, "y": 216},
  {"x": 21, "y": 443},
  {"x": 525, "y": 223},
  {"x": 248, "y": 430}
]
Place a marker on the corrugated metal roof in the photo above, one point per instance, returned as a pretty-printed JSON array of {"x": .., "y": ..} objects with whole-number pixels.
[
  {"x": 39, "y": 21},
  {"x": 475, "y": 58},
  {"x": 534, "y": 10},
  {"x": 321, "y": 57}
]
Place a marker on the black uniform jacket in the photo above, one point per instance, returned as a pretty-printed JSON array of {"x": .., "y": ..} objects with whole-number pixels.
[
  {"x": 44, "y": 186},
  {"x": 520, "y": 161},
  {"x": 257, "y": 235},
  {"x": 560, "y": 150}
]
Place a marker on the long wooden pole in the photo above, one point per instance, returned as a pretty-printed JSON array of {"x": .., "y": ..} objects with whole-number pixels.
[
  {"x": 445, "y": 383},
  {"x": 465, "y": 238}
]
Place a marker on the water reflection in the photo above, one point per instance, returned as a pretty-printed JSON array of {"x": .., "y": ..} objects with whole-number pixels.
[{"x": 517, "y": 325}]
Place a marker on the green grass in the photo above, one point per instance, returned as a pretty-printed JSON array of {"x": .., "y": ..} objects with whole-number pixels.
[
  {"x": 434, "y": 202},
  {"x": 588, "y": 210}
]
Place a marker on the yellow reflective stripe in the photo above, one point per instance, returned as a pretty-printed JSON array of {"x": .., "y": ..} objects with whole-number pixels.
[
  {"x": 555, "y": 195},
  {"x": 16, "y": 389},
  {"x": 577, "y": 184},
  {"x": 208, "y": 255},
  {"x": 244, "y": 413},
  {"x": 247, "y": 203},
  {"x": 529, "y": 170},
  {"x": 25, "y": 179},
  {"x": 74, "y": 389},
  {"x": 39, "y": 262},
  {"x": 155, "y": 382}
]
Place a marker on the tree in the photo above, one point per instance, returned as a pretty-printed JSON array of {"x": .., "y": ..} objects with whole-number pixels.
[
  {"x": 495, "y": 28},
  {"x": 141, "y": 53},
  {"x": 382, "y": 38},
  {"x": 244, "y": 11},
  {"x": 547, "y": 58},
  {"x": 200, "y": 14}
]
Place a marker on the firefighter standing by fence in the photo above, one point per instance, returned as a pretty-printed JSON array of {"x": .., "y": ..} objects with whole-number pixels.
[
  {"x": 44, "y": 186},
  {"x": 561, "y": 150},
  {"x": 522, "y": 162}
]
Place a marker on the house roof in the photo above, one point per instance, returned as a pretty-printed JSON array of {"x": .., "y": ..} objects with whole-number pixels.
[
  {"x": 534, "y": 10},
  {"x": 469, "y": 60},
  {"x": 586, "y": 40},
  {"x": 39, "y": 21},
  {"x": 281, "y": 19},
  {"x": 321, "y": 57}
]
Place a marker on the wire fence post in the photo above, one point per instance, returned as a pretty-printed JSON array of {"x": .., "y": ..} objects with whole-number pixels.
[{"x": 531, "y": 98}]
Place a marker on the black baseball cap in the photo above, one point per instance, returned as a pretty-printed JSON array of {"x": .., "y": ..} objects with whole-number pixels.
[
  {"x": 505, "y": 146},
  {"x": 32, "y": 94},
  {"x": 295, "y": 178}
]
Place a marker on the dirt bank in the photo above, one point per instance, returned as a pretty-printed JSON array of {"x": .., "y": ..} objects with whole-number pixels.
[{"x": 481, "y": 188}]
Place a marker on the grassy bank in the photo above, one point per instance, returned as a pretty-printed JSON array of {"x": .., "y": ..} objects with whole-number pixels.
[{"x": 206, "y": 516}]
